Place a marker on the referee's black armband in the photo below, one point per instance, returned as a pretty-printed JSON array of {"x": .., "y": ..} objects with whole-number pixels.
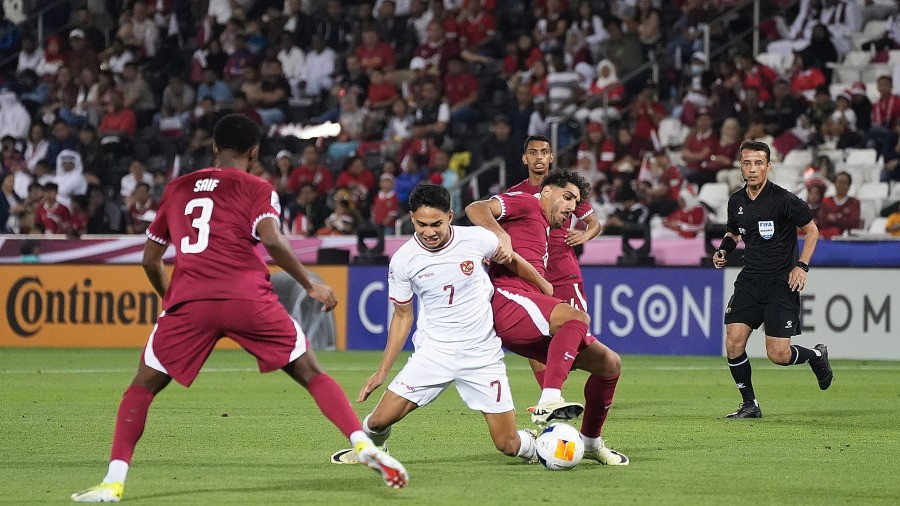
[{"x": 728, "y": 244}]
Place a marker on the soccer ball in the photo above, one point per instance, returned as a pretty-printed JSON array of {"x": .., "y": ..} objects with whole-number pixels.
[{"x": 559, "y": 447}]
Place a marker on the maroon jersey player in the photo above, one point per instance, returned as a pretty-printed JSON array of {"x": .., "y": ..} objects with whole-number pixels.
[
  {"x": 215, "y": 217},
  {"x": 602, "y": 363}
]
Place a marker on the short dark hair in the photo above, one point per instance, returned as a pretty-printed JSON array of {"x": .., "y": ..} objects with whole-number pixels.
[
  {"x": 51, "y": 187},
  {"x": 562, "y": 177},
  {"x": 431, "y": 195},
  {"x": 532, "y": 138},
  {"x": 236, "y": 132},
  {"x": 844, "y": 173},
  {"x": 756, "y": 146}
]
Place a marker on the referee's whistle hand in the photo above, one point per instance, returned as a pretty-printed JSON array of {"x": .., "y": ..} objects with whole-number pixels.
[{"x": 719, "y": 259}]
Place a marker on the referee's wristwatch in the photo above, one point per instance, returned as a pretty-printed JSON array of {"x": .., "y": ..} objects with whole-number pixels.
[{"x": 803, "y": 265}]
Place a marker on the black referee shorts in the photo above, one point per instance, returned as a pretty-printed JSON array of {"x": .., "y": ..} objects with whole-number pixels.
[{"x": 765, "y": 298}]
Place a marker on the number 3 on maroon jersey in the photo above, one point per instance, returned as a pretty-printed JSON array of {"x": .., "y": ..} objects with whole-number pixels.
[{"x": 201, "y": 223}]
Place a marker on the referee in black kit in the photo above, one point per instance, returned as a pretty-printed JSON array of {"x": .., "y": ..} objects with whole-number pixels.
[{"x": 767, "y": 290}]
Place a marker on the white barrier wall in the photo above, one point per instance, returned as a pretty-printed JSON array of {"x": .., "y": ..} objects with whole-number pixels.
[{"x": 855, "y": 312}]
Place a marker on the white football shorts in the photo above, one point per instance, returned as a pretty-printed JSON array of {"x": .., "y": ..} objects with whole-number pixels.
[{"x": 480, "y": 376}]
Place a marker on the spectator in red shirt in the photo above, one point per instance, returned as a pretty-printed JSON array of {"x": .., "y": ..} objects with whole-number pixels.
[
  {"x": 310, "y": 171},
  {"x": 381, "y": 93},
  {"x": 119, "y": 121},
  {"x": 805, "y": 78},
  {"x": 690, "y": 217},
  {"x": 80, "y": 215},
  {"x": 647, "y": 112},
  {"x": 478, "y": 31},
  {"x": 520, "y": 55},
  {"x": 359, "y": 179},
  {"x": 461, "y": 91},
  {"x": 51, "y": 216},
  {"x": 386, "y": 206},
  {"x": 756, "y": 76},
  {"x": 885, "y": 114},
  {"x": 661, "y": 187},
  {"x": 373, "y": 53},
  {"x": 447, "y": 20},
  {"x": 142, "y": 209},
  {"x": 607, "y": 82},
  {"x": 437, "y": 48},
  {"x": 600, "y": 146},
  {"x": 699, "y": 149},
  {"x": 839, "y": 213}
]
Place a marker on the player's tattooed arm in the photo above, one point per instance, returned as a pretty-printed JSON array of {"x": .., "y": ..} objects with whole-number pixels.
[{"x": 526, "y": 271}]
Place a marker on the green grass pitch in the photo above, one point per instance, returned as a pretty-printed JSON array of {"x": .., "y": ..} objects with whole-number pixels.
[{"x": 239, "y": 437}]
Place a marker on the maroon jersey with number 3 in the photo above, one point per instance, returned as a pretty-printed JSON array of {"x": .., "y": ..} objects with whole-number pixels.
[{"x": 211, "y": 217}]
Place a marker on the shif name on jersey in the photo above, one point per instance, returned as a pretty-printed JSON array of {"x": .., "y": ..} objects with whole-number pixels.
[{"x": 206, "y": 185}]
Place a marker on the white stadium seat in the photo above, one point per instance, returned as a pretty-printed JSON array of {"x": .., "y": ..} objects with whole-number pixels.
[
  {"x": 873, "y": 71},
  {"x": 875, "y": 28},
  {"x": 856, "y": 59},
  {"x": 776, "y": 61},
  {"x": 877, "y": 226},
  {"x": 861, "y": 157},
  {"x": 715, "y": 195},
  {"x": 798, "y": 157},
  {"x": 847, "y": 75},
  {"x": 786, "y": 176},
  {"x": 894, "y": 58},
  {"x": 873, "y": 191}
]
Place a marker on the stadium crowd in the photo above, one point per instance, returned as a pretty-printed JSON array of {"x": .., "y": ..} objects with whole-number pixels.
[{"x": 122, "y": 96}]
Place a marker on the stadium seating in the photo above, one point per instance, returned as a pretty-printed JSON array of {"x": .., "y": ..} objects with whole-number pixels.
[
  {"x": 672, "y": 132},
  {"x": 871, "y": 197},
  {"x": 776, "y": 61},
  {"x": 798, "y": 157},
  {"x": 715, "y": 196},
  {"x": 877, "y": 226},
  {"x": 873, "y": 71},
  {"x": 861, "y": 157}
]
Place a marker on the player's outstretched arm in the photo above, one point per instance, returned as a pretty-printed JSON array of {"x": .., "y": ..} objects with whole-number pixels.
[
  {"x": 484, "y": 213},
  {"x": 526, "y": 271},
  {"x": 280, "y": 250},
  {"x": 398, "y": 333},
  {"x": 153, "y": 266}
]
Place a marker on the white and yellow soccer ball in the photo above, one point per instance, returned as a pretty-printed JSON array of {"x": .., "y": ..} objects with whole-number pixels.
[{"x": 559, "y": 447}]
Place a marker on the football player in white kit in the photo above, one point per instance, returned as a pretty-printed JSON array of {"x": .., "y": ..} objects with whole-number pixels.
[{"x": 454, "y": 339}]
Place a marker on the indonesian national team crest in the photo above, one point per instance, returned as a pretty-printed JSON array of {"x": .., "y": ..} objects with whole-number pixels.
[
  {"x": 766, "y": 229},
  {"x": 468, "y": 267}
]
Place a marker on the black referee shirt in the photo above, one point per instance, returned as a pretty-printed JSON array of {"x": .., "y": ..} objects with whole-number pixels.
[{"x": 768, "y": 226}]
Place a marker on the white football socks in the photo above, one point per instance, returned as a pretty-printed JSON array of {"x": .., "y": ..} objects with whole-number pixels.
[
  {"x": 592, "y": 443},
  {"x": 550, "y": 394},
  {"x": 527, "y": 446},
  {"x": 377, "y": 437},
  {"x": 118, "y": 469}
]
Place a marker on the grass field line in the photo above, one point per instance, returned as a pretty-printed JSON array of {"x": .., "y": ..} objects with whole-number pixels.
[{"x": 890, "y": 366}]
